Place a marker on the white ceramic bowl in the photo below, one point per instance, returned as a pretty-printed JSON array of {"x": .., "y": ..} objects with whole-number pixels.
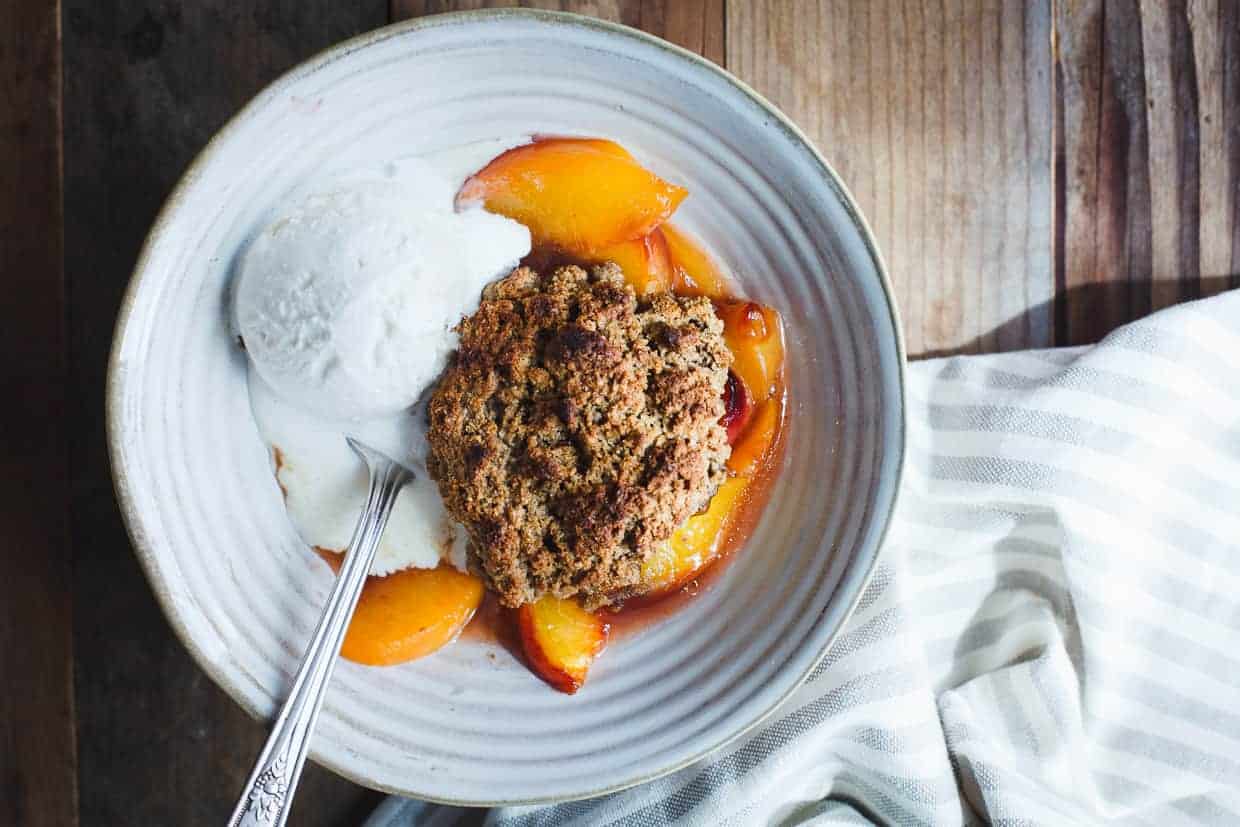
[{"x": 470, "y": 724}]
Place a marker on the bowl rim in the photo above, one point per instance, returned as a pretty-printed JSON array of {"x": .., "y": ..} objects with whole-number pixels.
[{"x": 115, "y": 378}]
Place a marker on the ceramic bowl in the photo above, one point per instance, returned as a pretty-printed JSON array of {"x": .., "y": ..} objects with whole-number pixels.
[{"x": 470, "y": 724}]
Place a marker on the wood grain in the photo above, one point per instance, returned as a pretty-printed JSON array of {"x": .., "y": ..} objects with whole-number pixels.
[
  {"x": 146, "y": 85},
  {"x": 937, "y": 116},
  {"x": 1148, "y": 142},
  {"x": 37, "y": 770},
  {"x": 697, "y": 25},
  {"x": 1036, "y": 172}
]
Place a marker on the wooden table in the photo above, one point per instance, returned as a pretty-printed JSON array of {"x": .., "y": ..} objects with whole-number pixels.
[{"x": 1037, "y": 173}]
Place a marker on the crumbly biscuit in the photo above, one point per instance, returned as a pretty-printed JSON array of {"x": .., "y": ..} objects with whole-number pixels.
[{"x": 576, "y": 428}]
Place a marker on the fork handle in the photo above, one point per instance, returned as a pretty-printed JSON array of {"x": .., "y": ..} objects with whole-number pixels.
[{"x": 268, "y": 794}]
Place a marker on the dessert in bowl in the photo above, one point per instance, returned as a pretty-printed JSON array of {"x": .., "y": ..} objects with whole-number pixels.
[
  {"x": 608, "y": 422},
  {"x": 470, "y": 723}
]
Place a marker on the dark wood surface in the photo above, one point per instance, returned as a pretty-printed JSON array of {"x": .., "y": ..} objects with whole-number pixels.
[
  {"x": 1037, "y": 173},
  {"x": 146, "y": 85},
  {"x": 37, "y": 763}
]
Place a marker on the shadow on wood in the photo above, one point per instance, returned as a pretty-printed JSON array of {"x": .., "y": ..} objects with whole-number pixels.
[{"x": 1099, "y": 307}]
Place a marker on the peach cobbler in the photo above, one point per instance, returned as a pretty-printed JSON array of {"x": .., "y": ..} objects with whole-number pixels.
[{"x": 598, "y": 431}]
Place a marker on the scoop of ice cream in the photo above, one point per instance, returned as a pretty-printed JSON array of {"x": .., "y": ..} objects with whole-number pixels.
[{"x": 345, "y": 303}]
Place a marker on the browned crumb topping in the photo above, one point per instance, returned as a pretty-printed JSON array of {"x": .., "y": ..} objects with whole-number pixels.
[{"x": 576, "y": 428}]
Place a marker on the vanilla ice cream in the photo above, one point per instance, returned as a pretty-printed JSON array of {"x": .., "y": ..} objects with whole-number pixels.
[{"x": 345, "y": 304}]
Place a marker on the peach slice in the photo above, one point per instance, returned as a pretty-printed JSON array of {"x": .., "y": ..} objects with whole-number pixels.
[
  {"x": 753, "y": 447},
  {"x": 694, "y": 272},
  {"x": 695, "y": 544},
  {"x": 561, "y": 640},
  {"x": 410, "y": 614},
  {"x": 601, "y": 144},
  {"x": 580, "y": 195},
  {"x": 755, "y": 335},
  {"x": 644, "y": 260}
]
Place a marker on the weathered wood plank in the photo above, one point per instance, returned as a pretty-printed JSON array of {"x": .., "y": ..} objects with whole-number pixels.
[
  {"x": 38, "y": 774},
  {"x": 146, "y": 85},
  {"x": 938, "y": 118},
  {"x": 698, "y": 25},
  {"x": 1149, "y": 145},
  {"x": 1214, "y": 30},
  {"x": 1174, "y": 170}
]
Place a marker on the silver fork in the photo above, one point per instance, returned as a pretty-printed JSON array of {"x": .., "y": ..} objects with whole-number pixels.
[{"x": 268, "y": 794}]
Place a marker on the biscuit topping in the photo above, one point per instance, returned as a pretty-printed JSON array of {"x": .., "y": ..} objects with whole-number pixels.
[{"x": 576, "y": 428}]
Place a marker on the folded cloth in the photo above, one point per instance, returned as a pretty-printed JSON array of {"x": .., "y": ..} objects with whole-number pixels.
[{"x": 1053, "y": 633}]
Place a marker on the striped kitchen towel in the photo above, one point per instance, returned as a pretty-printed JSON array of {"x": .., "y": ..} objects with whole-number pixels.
[{"x": 1053, "y": 633}]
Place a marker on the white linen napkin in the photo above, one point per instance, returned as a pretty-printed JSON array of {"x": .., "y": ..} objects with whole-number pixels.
[{"x": 1053, "y": 633}]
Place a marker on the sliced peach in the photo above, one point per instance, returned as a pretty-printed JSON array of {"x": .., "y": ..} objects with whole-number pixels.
[
  {"x": 573, "y": 193},
  {"x": 694, "y": 272},
  {"x": 744, "y": 322},
  {"x": 737, "y": 407},
  {"x": 409, "y": 614},
  {"x": 601, "y": 144},
  {"x": 561, "y": 640},
  {"x": 755, "y": 335},
  {"x": 644, "y": 261},
  {"x": 695, "y": 544},
  {"x": 753, "y": 447}
]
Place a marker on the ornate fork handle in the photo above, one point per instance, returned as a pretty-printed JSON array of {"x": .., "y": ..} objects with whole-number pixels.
[{"x": 269, "y": 791}]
